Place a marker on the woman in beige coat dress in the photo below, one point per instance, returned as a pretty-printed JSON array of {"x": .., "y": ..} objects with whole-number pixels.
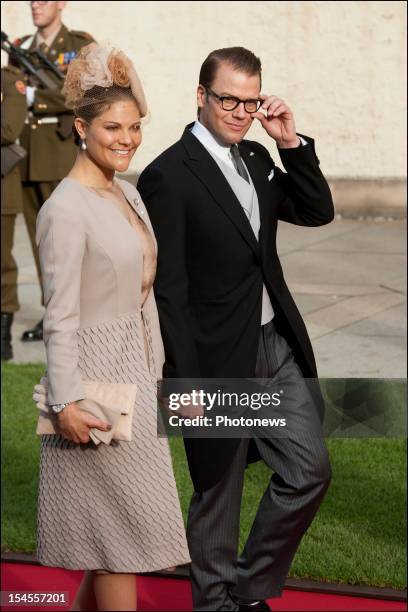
[{"x": 113, "y": 509}]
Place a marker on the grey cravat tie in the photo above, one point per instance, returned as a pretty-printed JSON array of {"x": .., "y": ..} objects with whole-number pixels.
[{"x": 238, "y": 163}]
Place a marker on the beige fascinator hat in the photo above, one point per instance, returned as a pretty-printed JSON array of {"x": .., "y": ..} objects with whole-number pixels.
[{"x": 95, "y": 71}]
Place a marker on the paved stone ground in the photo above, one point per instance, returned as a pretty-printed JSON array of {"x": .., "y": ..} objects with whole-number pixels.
[{"x": 348, "y": 279}]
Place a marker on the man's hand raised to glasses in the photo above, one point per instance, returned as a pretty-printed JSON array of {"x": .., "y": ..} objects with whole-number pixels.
[{"x": 278, "y": 121}]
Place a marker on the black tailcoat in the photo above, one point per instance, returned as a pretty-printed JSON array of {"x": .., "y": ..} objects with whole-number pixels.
[{"x": 211, "y": 268}]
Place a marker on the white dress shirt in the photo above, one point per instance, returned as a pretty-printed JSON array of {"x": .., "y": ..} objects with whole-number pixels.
[{"x": 210, "y": 143}]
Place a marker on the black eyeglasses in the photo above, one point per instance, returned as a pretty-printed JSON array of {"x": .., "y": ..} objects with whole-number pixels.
[{"x": 230, "y": 103}]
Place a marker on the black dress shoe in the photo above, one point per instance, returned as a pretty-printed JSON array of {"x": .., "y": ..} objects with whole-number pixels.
[
  {"x": 6, "y": 348},
  {"x": 257, "y": 605},
  {"x": 32, "y": 335},
  {"x": 249, "y": 605}
]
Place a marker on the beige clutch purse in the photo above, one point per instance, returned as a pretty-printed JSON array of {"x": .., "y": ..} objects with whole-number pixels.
[{"x": 112, "y": 402}]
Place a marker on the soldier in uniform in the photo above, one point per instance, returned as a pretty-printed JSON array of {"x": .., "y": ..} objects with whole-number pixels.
[
  {"x": 47, "y": 135},
  {"x": 13, "y": 114}
]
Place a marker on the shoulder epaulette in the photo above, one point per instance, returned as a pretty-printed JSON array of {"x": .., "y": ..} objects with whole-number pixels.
[{"x": 81, "y": 34}]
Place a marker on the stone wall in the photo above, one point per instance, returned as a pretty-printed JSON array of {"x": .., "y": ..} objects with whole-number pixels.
[{"x": 339, "y": 65}]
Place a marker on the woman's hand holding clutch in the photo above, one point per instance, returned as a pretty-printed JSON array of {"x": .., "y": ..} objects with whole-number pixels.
[{"x": 74, "y": 424}]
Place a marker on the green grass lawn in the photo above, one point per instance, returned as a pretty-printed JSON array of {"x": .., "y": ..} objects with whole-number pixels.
[{"x": 358, "y": 536}]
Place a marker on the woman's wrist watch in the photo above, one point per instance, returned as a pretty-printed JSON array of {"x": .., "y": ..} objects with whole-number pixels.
[{"x": 57, "y": 408}]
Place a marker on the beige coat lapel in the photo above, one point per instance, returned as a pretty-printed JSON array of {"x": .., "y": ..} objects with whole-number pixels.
[{"x": 135, "y": 200}]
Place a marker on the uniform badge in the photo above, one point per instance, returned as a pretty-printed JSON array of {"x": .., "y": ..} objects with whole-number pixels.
[
  {"x": 64, "y": 59},
  {"x": 21, "y": 87}
]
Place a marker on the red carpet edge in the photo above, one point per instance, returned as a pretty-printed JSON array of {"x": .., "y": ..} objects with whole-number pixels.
[{"x": 294, "y": 584}]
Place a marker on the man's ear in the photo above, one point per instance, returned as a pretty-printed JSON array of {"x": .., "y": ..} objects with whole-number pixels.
[{"x": 201, "y": 93}]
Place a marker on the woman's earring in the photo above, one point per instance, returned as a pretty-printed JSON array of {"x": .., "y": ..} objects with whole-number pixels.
[{"x": 83, "y": 145}]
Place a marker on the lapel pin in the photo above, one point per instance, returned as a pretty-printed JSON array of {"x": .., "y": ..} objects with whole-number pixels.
[{"x": 251, "y": 154}]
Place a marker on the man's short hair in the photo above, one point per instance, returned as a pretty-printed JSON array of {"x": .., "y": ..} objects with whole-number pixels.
[{"x": 238, "y": 57}]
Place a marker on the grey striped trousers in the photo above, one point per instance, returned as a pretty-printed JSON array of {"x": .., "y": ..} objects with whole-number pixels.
[{"x": 301, "y": 477}]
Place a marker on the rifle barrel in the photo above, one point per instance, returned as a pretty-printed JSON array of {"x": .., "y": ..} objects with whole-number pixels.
[{"x": 20, "y": 56}]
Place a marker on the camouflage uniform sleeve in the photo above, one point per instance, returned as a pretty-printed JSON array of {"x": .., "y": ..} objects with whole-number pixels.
[
  {"x": 52, "y": 102},
  {"x": 13, "y": 105}
]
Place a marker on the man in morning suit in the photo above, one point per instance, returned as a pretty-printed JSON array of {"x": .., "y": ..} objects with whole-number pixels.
[{"x": 215, "y": 200}]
